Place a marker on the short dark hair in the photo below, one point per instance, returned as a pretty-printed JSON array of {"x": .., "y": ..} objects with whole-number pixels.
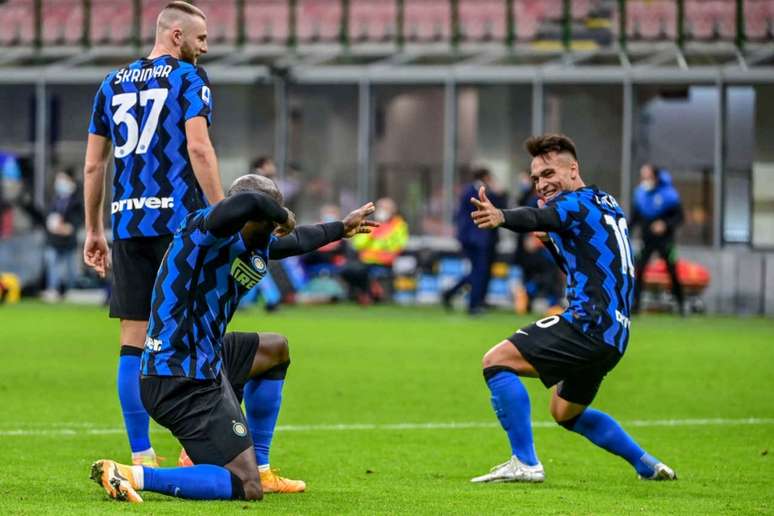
[
  {"x": 544, "y": 144},
  {"x": 185, "y": 7},
  {"x": 479, "y": 173},
  {"x": 260, "y": 161},
  {"x": 255, "y": 183}
]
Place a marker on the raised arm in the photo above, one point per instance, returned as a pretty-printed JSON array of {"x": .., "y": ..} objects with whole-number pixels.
[
  {"x": 488, "y": 216},
  {"x": 231, "y": 214},
  {"x": 308, "y": 238},
  {"x": 305, "y": 239}
]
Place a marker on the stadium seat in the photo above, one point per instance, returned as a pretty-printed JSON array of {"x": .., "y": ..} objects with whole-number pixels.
[
  {"x": 318, "y": 20},
  {"x": 482, "y": 20},
  {"x": 699, "y": 20},
  {"x": 266, "y": 21},
  {"x": 17, "y": 23},
  {"x": 580, "y": 9},
  {"x": 372, "y": 20},
  {"x": 530, "y": 15},
  {"x": 221, "y": 20},
  {"x": 62, "y": 22},
  {"x": 150, "y": 11},
  {"x": 725, "y": 15},
  {"x": 427, "y": 20},
  {"x": 111, "y": 23},
  {"x": 650, "y": 19},
  {"x": 758, "y": 18}
]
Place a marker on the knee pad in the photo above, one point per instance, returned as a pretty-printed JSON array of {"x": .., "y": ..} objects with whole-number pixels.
[{"x": 489, "y": 372}]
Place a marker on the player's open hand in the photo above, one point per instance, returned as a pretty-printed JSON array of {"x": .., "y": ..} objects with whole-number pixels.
[
  {"x": 486, "y": 216},
  {"x": 357, "y": 221},
  {"x": 96, "y": 253},
  {"x": 287, "y": 228}
]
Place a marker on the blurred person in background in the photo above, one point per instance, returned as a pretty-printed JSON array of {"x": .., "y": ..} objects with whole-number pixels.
[
  {"x": 376, "y": 252},
  {"x": 155, "y": 112},
  {"x": 658, "y": 211},
  {"x": 290, "y": 186},
  {"x": 478, "y": 245},
  {"x": 63, "y": 219}
]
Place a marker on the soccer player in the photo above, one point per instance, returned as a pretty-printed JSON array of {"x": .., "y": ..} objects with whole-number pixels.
[
  {"x": 194, "y": 377},
  {"x": 588, "y": 238},
  {"x": 155, "y": 112}
]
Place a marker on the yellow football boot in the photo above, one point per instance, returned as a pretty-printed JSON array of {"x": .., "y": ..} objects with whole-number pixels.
[
  {"x": 184, "y": 460},
  {"x": 273, "y": 483},
  {"x": 150, "y": 460},
  {"x": 116, "y": 479}
]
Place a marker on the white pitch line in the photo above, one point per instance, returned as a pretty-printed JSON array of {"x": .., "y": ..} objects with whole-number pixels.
[{"x": 83, "y": 429}]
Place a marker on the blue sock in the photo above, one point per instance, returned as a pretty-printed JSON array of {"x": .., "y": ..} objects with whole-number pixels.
[
  {"x": 263, "y": 398},
  {"x": 605, "y": 432},
  {"x": 511, "y": 404},
  {"x": 200, "y": 482},
  {"x": 136, "y": 418}
]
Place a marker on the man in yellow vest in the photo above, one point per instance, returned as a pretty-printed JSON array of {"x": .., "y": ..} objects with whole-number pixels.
[{"x": 376, "y": 251}]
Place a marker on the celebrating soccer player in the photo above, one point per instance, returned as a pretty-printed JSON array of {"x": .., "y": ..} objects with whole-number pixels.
[
  {"x": 588, "y": 238},
  {"x": 193, "y": 376},
  {"x": 155, "y": 112}
]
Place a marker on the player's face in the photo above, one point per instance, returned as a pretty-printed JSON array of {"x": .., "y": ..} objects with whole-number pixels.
[
  {"x": 194, "y": 38},
  {"x": 553, "y": 174}
]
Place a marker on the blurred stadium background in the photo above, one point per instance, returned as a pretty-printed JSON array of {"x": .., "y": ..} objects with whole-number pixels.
[{"x": 359, "y": 99}]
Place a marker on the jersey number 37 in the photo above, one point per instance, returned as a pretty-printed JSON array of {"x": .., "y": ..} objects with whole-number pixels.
[{"x": 138, "y": 141}]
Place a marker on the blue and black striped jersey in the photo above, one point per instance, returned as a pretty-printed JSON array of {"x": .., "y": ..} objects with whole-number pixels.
[
  {"x": 594, "y": 251},
  {"x": 198, "y": 287},
  {"x": 142, "y": 108}
]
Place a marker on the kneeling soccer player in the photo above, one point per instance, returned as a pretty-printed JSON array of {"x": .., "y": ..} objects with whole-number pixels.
[
  {"x": 588, "y": 237},
  {"x": 194, "y": 377}
]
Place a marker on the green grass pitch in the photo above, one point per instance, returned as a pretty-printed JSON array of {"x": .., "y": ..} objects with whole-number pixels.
[{"x": 393, "y": 370}]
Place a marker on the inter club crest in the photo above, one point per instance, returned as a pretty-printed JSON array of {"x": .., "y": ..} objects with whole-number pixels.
[{"x": 248, "y": 275}]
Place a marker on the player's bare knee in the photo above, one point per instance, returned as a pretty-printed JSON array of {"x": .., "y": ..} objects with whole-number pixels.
[
  {"x": 490, "y": 358},
  {"x": 275, "y": 348}
]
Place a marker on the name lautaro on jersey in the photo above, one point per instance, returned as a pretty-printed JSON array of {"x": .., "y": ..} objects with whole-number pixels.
[{"x": 142, "y": 74}]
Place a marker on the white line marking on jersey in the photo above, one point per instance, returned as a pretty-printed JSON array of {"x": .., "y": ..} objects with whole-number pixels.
[
  {"x": 522, "y": 332},
  {"x": 82, "y": 429}
]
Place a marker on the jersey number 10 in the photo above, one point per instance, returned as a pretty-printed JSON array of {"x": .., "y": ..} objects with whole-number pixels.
[
  {"x": 138, "y": 141},
  {"x": 621, "y": 231}
]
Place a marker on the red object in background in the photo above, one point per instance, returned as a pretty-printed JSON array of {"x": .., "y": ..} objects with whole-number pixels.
[
  {"x": 6, "y": 223},
  {"x": 693, "y": 277}
]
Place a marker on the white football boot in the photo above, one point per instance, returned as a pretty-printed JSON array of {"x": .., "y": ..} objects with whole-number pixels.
[
  {"x": 513, "y": 471},
  {"x": 661, "y": 472}
]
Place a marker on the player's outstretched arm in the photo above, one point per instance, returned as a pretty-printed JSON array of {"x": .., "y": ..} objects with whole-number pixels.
[
  {"x": 203, "y": 159},
  {"x": 488, "y": 216},
  {"x": 308, "y": 238},
  {"x": 232, "y": 213},
  {"x": 95, "y": 249}
]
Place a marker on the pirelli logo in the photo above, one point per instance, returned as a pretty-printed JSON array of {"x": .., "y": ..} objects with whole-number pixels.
[{"x": 245, "y": 275}]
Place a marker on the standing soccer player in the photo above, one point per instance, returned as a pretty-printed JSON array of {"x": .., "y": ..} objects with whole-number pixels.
[
  {"x": 588, "y": 237},
  {"x": 155, "y": 112}
]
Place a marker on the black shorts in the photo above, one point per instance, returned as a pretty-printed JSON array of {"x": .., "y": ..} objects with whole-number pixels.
[
  {"x": 206, "y": 415},
  {"x": 564, "y": 356},
  {"x": 135, "y": 264}
]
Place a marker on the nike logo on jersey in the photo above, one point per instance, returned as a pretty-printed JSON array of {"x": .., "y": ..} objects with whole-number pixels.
[
  {"x": 152, "y": 203},
  {"x": 522, "y": 332}
]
